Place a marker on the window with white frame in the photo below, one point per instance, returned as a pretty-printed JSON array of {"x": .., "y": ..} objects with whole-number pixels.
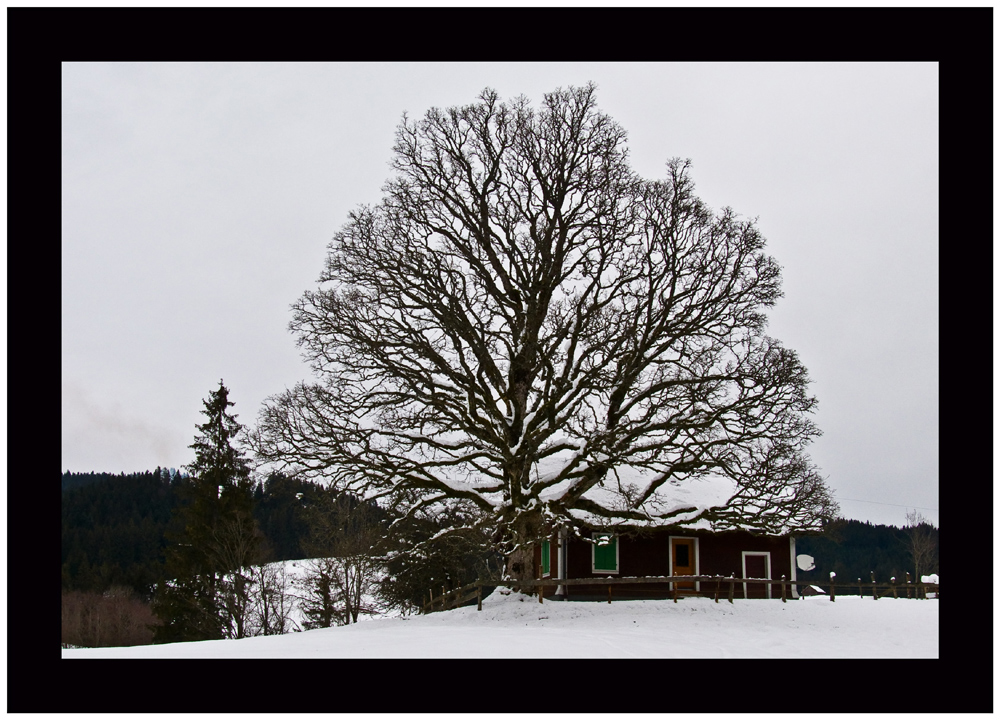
[{"x": 604, "y": 553}]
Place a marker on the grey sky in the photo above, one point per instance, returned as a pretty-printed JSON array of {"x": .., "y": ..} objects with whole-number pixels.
[{"x": 198, "y": 200}]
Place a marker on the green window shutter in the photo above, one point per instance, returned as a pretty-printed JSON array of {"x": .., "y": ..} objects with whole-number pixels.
[
  {"x": 545, "y": 557},
  {"x": 606, "y": 554}
]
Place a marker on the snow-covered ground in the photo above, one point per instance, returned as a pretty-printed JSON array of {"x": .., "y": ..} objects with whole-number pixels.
[{"x": 515, "y": 626}]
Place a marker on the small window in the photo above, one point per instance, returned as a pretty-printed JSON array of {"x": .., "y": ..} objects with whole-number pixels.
[
  {"x": 605, "y": 549},
  {"x": 546, "y": 562},
  {"x": 683, "y": 557}
]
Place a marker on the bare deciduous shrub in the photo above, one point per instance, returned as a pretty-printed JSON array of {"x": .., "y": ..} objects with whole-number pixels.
[
  {"x": 921, "y": 542},
  {"x": 113, "y": 619},
  {"x": 344, "y": 573}
]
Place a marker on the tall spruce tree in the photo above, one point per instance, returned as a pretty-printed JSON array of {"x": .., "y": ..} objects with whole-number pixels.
[{"x": 212, "y": 537}]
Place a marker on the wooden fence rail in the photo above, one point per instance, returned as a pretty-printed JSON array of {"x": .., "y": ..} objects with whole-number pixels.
[{"x": 723, "y": 584}]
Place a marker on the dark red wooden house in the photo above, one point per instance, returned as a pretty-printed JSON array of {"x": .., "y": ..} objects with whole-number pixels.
[{"x": 661, "y": 553}]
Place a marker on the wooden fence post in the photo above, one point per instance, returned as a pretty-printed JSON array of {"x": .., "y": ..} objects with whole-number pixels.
[
  {"x": 609, "y": 594},
  {"x": 444, "y": 598},
  {"x": 833, "y": 588},
  {"x": 732, "y": 588},
  {"x": 783, "y": 589},
  {"x": 907, "y": 585},
  {"x": 430, "y": 605},
  {"x": 717, "y": 584},
  {"x": 874, "y": 587},
  {"x": 479, "y": 598},
  {"x": 893, "y": 581},
  {"x": 860, "y": 593},
  {"x": 541, "y": 593}
]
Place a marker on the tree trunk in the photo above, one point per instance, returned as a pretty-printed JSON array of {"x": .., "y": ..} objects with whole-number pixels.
[{"x": 525, "y": 532}]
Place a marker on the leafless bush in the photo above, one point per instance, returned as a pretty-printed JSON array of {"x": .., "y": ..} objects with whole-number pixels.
[
  {"x": 254, "y": 596},
  {"x": 345, "y": 572},
  {"x": 112, "y": 619},
  {"x": 921, "y": 542},
  {"x": 272, "y": 599}
]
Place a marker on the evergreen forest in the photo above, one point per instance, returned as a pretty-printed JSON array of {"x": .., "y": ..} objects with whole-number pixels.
[
  {"x": 114, "y": 527},
  {"x": 854, "y": 549}
]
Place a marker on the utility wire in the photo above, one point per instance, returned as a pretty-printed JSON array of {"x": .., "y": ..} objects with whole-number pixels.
[{"x": 892, "y": 504}]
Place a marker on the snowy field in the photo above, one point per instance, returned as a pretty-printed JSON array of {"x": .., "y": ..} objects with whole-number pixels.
[{"x": 515, "y": 626}]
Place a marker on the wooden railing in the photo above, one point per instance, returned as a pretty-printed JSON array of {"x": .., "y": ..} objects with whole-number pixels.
[
  {"x": 723, "y": 587},
  {"x": 876, "y": 590},
  {"x": 449, "y": 599}
]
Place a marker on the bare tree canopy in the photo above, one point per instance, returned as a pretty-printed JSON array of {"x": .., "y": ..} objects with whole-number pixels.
[{"x": 525, "y": 325}]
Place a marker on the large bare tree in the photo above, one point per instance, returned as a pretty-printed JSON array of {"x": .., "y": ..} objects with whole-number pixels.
[{"x": 524, "y": 325}]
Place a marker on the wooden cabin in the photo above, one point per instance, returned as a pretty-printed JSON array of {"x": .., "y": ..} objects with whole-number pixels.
[{"x": 664, "y": 553}]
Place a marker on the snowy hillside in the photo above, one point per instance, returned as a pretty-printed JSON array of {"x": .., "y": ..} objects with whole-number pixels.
[{"x": 515, "y": 626}]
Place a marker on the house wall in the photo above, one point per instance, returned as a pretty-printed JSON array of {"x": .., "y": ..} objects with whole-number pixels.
[
  {"x": 722, "y": 554},
  {"x": 649, "y": 555}
]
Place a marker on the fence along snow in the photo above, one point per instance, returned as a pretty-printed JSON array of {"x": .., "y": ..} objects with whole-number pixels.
[{"x": 459, "y": 596}]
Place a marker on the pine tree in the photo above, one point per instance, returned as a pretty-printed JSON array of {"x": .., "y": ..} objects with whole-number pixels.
[{"x": 213, "y": 536}]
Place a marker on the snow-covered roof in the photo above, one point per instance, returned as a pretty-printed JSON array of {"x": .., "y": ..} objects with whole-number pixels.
[{"x": 680, "y": 499}]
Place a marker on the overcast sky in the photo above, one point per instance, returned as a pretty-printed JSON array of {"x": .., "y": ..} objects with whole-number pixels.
[{"x": 198, "y": 200}]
